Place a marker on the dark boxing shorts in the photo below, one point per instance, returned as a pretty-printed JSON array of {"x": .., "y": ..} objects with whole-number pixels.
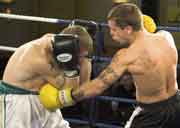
[{"x": 163, "y": 114}]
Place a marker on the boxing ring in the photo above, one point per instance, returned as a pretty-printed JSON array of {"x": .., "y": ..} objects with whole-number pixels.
[{"x": 99, "y": 43}]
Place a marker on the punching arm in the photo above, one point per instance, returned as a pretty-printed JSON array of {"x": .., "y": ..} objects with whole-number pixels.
[{"x": 108, "y": 76}]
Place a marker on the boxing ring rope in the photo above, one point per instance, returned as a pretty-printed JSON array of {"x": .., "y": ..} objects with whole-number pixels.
[
  {"x": 117, "y": 99},
  {"x": 91, "y": 122},
  {"x": 101, "y": 125},
  {"x": 48, "y": 20},
  {"x": 34, "y": 18},
  {"x": 7, "y": 48},
  {"x": 60, "y": 21},
  {"x": 168, "y": 28}
]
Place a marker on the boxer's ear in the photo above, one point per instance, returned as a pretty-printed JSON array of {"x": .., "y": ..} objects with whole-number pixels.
[{"x": 128, "y": 29}]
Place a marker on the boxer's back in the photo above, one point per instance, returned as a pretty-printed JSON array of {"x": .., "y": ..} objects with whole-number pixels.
[
  {"x": 154, "y": 71},
  {"x": 21, "y": 69}
]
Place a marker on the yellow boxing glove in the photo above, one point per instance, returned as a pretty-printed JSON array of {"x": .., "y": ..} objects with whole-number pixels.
[
  {"x": 149, "y": 23},
  {"x": 52, "y": 98}
]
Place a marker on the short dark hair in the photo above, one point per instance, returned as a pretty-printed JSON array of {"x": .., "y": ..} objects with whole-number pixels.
[{"x": 126, "y": 14}]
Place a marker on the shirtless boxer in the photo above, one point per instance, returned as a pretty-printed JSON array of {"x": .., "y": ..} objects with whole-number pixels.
[
  {"x": 152, "y": 61},
  {"x": 32, "y": 66}
]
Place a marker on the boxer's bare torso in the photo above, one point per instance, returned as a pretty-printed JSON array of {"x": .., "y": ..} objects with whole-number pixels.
[
  {"x": 153, "y": 68},
  {"x": 27, "y": 64}
]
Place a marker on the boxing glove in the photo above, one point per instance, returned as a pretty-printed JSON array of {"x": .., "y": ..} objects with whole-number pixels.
[
  {"x": 66, "y": 50},
  {"x": 149, "y": 23},
  {"x": 51, "y": 98}
]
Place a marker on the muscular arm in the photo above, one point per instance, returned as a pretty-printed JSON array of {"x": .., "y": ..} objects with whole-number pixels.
[{"x": 104, "y": 80}]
